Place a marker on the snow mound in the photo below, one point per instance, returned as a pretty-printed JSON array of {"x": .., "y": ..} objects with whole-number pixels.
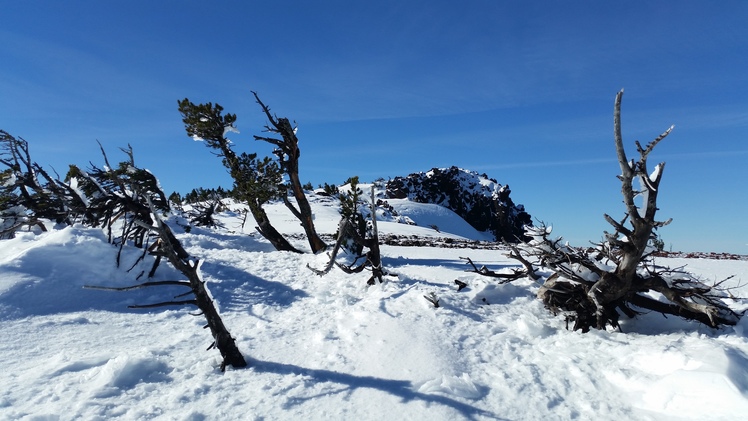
[
  {"x": 696, "y": 382},
  {"x": 462, "y": 386},
  {"x": 437, "y": 218},
  {"x": 122, "y": 373}
]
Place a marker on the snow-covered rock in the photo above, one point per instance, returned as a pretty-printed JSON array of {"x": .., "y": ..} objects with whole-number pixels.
[{"x": 481, "y": 201}]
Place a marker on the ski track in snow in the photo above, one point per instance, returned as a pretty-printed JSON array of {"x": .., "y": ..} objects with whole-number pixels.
[{"x": 330, "y": 347}]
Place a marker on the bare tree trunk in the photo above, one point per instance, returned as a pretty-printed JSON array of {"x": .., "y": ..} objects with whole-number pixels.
[
  {"x": 304, "y": 213},
  {"x": 180, "y": 259},
  {"x": 288, "y": 153},
  {"x": 613, "y": 286},
  {"x": 267, "y": 230}
]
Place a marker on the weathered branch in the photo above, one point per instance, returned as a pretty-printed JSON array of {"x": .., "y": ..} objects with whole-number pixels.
[
  {"x": 276, "y": 142},
  {"x": 626, "y": 169},
  {"x": 342, "y": 232},
  {"x": 709, "y": 311},
  {"x": 652, "y": 144},
  {"x": 433, "y": 299},
  {"x": 266, "y": 110},
  {"x": 529, "y": 269},
  {"x": 484, "y": 271},
  {"x": 618, "y": 225}
]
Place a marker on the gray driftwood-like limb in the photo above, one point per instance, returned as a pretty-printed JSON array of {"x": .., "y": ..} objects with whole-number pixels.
[
  {"x": 433, "y": 299},
  {"x": 529, "y": 269},
  {"x": 484, "y": 271}
]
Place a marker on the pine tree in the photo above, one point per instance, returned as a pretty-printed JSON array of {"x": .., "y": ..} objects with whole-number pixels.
[{"x": 255, "y": 181}]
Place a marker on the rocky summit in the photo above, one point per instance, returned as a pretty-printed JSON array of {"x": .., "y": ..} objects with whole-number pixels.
[{"x": 481, "y": 201}]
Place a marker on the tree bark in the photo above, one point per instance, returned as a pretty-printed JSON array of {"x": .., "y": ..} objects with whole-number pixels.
[{"x": 267, "y": 230}]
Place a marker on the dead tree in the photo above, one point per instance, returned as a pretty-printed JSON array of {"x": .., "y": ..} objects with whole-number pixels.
[
  {"x": 590, "y": 286},
  {"x": 203, "y": 206},
  {"x": 19, "y": 186},
  {"x": 288, "y": 153},
  {"x": 372, "y": 259},
  {"x": 29, "y": 194},
  {"x": 255, "y": 181}
]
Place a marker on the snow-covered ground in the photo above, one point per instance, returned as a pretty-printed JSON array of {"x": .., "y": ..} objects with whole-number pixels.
[{"x": 332, "y": 348}]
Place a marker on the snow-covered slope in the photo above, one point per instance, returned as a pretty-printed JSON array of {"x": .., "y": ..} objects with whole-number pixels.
[{"x": 324, "y": 348}]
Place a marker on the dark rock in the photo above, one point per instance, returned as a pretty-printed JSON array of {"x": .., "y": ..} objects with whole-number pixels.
[{"x": 482, "y": 202}]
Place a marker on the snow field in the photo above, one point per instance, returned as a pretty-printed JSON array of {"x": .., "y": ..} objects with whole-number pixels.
[{"x": 332, "y": 348}]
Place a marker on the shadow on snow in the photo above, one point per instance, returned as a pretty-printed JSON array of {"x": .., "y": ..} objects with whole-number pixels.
[
  {"x": 460, "y": 265},
  {"x": 401, "y": 388},
  {"x": 238, "y": 290},
  {"x": 54, "y": 286}
]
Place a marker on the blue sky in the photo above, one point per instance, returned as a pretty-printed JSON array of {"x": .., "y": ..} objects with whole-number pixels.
[{"x": 522, "y": 91}]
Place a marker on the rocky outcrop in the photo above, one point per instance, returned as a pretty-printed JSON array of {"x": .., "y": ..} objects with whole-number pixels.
[{"x": 482, "y": 202}]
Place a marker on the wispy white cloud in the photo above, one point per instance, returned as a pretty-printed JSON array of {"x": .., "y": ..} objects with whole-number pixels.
[{"x": 591, "y": 161}]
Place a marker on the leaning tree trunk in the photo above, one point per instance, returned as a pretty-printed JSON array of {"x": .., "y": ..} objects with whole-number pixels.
[
  {"x": 304, "y": 212},
  {"x": 288, "y": 153},
  {"x": 180, "y": 259},
  {"x": 374, "y": 256},
  {"x": 133, "y": 196},
  {"x": 267, "y": 230}
]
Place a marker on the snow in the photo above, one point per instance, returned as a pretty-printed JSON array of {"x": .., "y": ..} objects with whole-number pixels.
[
  {"x": 229, "y": 129},
  {"x": 73, "y": 184},
  {"x": 11, "y": 180},
  {"x": 329, "y": 347},
  {"x": 655, "y": 173},
  {"x": 643, "y": 195},
  {"x": 430, "y": 215}
]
